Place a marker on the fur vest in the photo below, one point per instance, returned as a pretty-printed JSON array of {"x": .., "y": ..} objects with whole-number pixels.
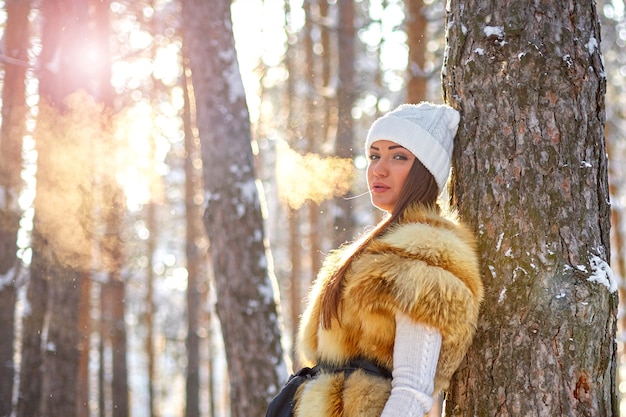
[{"x": 426, "y": 267}]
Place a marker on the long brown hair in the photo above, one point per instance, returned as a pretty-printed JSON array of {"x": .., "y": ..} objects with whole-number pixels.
[{"x": 420, "y": 188}]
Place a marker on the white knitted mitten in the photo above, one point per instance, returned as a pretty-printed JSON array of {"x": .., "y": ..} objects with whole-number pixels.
[{"x": 415, "y": 355}]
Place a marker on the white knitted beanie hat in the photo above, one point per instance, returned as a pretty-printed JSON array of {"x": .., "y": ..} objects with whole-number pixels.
[{"x": 427, "y": 130}]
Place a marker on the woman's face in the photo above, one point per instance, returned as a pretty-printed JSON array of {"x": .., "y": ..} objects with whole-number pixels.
[{"x": 389, "y": 166}]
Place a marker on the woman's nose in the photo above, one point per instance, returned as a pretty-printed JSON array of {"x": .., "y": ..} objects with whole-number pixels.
[{"x": 380, "y": 169}]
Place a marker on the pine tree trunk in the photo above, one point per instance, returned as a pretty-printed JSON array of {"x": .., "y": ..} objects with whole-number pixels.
[
  {"x": 84, "y": 348},
  {"x": 150, "y": 311},
  {"x": 103, "y": 329},
  {"x": 195, "y": 279},
  {"x": 417, "y": 39},
  {"x": 294, "y": 234},
  {"x": 295, "y": 279},
  {"x": 346, "y": 95},
  {"x": 114, "y": 293},
  {"x": 61, "y": 249},
  {"x": 313, "y": 121},
  {"x": 119, "y": 382},
  {"x": 61, "y": 349},
  {"x": 11, "y": 133},
  {"x": 328, "y": 60},
  {"x": 530, "y": 175},
  {"x": 246, "y": 302},
  {"x": 29, "y": 395}
]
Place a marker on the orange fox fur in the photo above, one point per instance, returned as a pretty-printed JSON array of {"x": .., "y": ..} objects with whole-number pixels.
[{"x": 426, "y": 267}]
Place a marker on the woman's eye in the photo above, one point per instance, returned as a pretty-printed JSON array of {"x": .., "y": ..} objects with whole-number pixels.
[
  {"x": 400, "y": 157},
  {"x": 373, "y": 157}
]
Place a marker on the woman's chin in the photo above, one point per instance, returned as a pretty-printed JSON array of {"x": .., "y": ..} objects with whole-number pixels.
[{"x": 382, "y": 206}]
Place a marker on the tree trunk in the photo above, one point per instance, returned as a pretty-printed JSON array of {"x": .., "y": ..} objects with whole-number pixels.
[
  {"x": 346, "y": 93},
  {"x": 530, "y": 174},
  {"x": 150, "y": 307},
  {"x": 119, "y": 382},
  {"x": 295, "y": 279},
  {"x": 62, "y": 341},
  {"x": 313, "y": 122},
  {"x": 245, "y": 288},
  {"x": 104, "y": 331},
  {"x": 211, "y": 351},
  {"x": 62, "y": 246},
  {"x": 195, "y": 280},
  {"x": 416, "y": 33},
  {"x": 114, "y": 294},
  {"x": 61, "y": 252},
  {"x": 29, "y": 396},
  {"x": 11, "y": 133},
  {"x": 294, "y": 234},
  {"x": 100, "y": 32},
  {"x": 328, "y": 62},
  {"x": 84, "y": 348}
]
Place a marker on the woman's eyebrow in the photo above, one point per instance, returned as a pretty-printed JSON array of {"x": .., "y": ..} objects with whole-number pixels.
[{"x": 389, "y": 148}]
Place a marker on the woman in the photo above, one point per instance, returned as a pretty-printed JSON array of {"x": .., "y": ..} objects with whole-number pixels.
[{"x": 404, "y": 298}]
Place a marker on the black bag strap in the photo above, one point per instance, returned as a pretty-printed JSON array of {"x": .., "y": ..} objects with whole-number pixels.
[{"x": 365, "y": 365}]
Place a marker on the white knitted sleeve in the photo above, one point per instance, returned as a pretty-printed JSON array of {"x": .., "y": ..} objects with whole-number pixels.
[{"x": 415, "y": 355}]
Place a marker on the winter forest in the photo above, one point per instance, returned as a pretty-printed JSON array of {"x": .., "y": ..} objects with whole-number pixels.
[{"x": 172, "y": 173}]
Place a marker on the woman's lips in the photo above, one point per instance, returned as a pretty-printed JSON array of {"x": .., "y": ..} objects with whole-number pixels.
[{"x": 378, "y": 187}]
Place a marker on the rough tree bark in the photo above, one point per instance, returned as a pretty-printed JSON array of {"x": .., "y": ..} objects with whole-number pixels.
[
  {"x": 530, "y": 174},
  {"x": 246, "y": 302}
]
